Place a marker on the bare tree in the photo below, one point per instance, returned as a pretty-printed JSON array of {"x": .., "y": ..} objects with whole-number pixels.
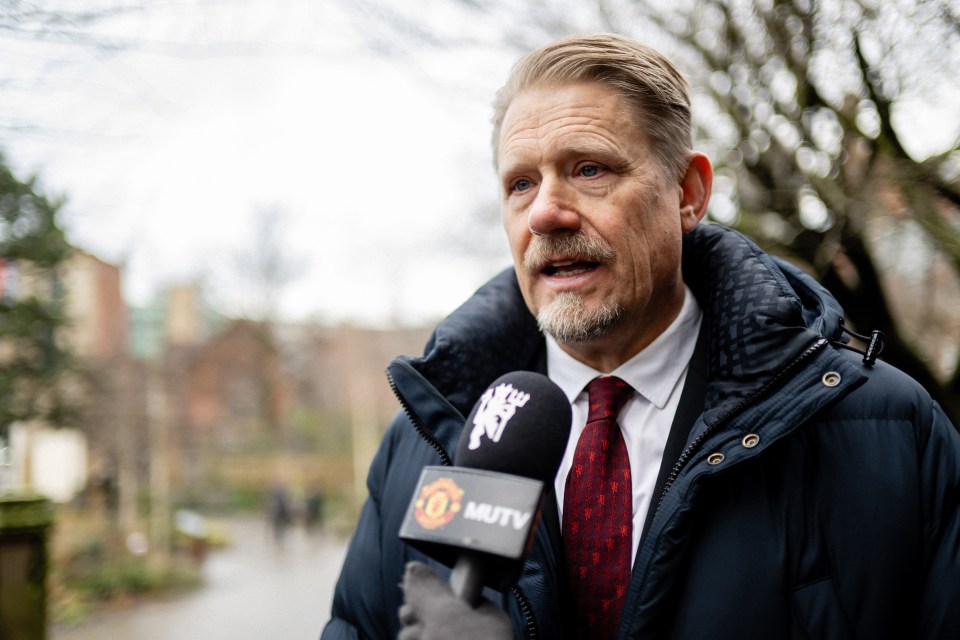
[
  {"x": 816, "y": 165},
  {"x": 39, "y": 38},
  {"x": 259, "y": 272},
  {"x": 264, "y": 265}
]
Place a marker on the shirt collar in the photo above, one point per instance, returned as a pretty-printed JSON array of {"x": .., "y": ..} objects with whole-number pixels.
[{"x": 653, "y": 373}]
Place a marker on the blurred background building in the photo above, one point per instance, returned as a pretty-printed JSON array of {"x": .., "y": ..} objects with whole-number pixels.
[{"x": 236, "y": 399}]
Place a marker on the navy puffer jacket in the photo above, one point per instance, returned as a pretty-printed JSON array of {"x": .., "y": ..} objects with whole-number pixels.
[{"x": 817, "y": 497}]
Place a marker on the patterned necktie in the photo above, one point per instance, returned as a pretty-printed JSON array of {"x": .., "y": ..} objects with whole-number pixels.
[{"x": 598, "y": 514}]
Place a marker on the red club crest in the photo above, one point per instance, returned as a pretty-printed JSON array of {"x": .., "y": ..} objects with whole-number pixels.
[{"x": 438, "y": 503}]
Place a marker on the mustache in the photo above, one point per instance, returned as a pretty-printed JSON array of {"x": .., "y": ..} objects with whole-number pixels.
[{"x": 575, "y": 245}]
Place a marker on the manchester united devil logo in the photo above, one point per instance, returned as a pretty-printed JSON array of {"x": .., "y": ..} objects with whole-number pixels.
[{"x": 438, "y": 503}]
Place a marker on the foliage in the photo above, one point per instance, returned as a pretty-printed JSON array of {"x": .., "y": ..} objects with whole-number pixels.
[
  {"x": 318, "y": 430},
  {"x": 88, "y": 584},
  {"x": 90, "y": 567},
  {"x": 32, "y": 248}
]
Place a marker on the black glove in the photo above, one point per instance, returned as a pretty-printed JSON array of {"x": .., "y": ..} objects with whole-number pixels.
[{"x": 432, "y": 612}]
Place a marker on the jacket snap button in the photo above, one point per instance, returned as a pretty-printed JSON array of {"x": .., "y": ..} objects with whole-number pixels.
[
  {"x": 831, "y": 379},
  {"x": 715, "y": 458},
  {"x": 750, "y": 440}
]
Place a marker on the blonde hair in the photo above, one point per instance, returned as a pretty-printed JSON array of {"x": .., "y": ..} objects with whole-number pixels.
[{"x": 652, "y": 86}]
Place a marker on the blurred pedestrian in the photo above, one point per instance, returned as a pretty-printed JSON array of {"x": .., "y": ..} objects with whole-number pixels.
[
  {"x": 280, "y": 512},
  {"x": 313, "y": 511}
]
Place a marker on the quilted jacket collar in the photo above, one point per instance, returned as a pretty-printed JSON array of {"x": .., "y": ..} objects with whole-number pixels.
[{"x": 761, "y": 313}]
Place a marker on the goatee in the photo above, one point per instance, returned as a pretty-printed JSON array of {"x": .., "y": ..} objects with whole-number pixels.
[{"x": 569, "y": 320}]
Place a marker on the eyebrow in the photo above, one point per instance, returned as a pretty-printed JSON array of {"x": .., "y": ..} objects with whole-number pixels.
[
  {"x": 591, "y": 147},
  {"x": 587, "y": 148}
]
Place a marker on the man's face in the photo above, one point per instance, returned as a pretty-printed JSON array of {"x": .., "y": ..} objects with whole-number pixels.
[{"x": 593, "y": 222}]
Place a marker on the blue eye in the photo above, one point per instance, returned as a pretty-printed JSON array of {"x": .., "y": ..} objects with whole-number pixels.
[
  {"x": 590, "y": 170},
  {"x": 521, "y": 185}
]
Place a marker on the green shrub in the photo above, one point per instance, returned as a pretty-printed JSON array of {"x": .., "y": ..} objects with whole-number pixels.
[{"x": 130, "y": 577}]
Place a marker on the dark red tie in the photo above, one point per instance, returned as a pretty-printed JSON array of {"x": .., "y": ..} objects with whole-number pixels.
[{"x": 598, "y": 514}]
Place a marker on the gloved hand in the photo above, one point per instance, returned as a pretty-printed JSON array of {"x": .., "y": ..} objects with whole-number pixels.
[{"x": 432, "y": 612}]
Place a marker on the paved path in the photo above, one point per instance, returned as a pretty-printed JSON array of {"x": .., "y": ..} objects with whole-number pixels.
[{"x": 253, "y": 591}]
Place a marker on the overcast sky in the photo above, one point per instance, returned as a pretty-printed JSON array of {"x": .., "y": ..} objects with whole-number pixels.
[
  {"x": 375, "y": 147},
  {"x": 345, "y": 115}
]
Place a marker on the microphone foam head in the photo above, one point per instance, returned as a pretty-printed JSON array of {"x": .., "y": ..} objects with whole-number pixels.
[{"x": 520, "y": 425}]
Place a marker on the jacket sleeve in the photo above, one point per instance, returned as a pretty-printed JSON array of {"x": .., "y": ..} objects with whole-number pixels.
[
  {"x": 366, "y": 599},
  {"x": 939, "y": 611}
]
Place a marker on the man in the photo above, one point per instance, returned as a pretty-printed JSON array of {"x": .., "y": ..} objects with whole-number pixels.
[{"x": 782, "y": 486}]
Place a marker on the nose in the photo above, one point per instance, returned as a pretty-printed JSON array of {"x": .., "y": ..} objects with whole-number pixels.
[{"x": 553, "y": 210}]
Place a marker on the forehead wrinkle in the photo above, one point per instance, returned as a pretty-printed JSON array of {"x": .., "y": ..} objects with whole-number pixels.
[
  {"x": 590, "y": 140},
  {"x": 532, "y": 144},
  {"x": 569, "y": 124},
  {"x": 521, "y": 134}
]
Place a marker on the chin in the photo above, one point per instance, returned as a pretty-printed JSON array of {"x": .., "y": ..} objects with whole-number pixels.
[{"x": 568, "y": 319}]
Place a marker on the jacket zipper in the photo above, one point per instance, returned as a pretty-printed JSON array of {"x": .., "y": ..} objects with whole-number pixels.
[
  {"x": 698, "y": 441},
  {"x": 530, "y": 630},
  {"x": 445, "y": 459},
  {"x": 693, "y": 446}
]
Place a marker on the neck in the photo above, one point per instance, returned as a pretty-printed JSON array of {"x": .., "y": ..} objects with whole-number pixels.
[{"x": 631, "y": 336}]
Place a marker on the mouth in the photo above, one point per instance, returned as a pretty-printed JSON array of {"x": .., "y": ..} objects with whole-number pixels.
[
  {"x": 567, "y": 260},
  {"x": 568, "y": 268}
]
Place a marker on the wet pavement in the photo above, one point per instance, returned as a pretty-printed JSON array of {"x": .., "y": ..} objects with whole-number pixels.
[{"x": 253, "y": 590}]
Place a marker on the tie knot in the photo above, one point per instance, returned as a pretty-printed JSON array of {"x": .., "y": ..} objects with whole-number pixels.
[{"x": 607, "y": 397}]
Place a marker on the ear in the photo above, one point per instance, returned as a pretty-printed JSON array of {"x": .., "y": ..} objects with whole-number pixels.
[{"x": 695, "y": 187}]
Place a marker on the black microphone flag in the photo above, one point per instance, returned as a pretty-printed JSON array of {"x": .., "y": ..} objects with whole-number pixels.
[{"x": 480, "y": 515}]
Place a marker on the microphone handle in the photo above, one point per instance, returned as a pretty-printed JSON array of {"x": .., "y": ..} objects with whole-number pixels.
[{"x": 466, "y": 580}]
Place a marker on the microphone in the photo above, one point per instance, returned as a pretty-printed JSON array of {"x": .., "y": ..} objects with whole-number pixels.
[{"x": 480, "y": 515}]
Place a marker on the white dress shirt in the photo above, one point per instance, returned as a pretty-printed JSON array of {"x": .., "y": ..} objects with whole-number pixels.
[{"x": 657, "y": 375}]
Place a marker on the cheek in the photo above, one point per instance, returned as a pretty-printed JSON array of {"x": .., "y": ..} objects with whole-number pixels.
[
  {"x": 651, "y": 248},
  {"x": 518, "y": 237},
  {"x": 517, "y": 232},
  {"x": 665, "y": 255}
]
